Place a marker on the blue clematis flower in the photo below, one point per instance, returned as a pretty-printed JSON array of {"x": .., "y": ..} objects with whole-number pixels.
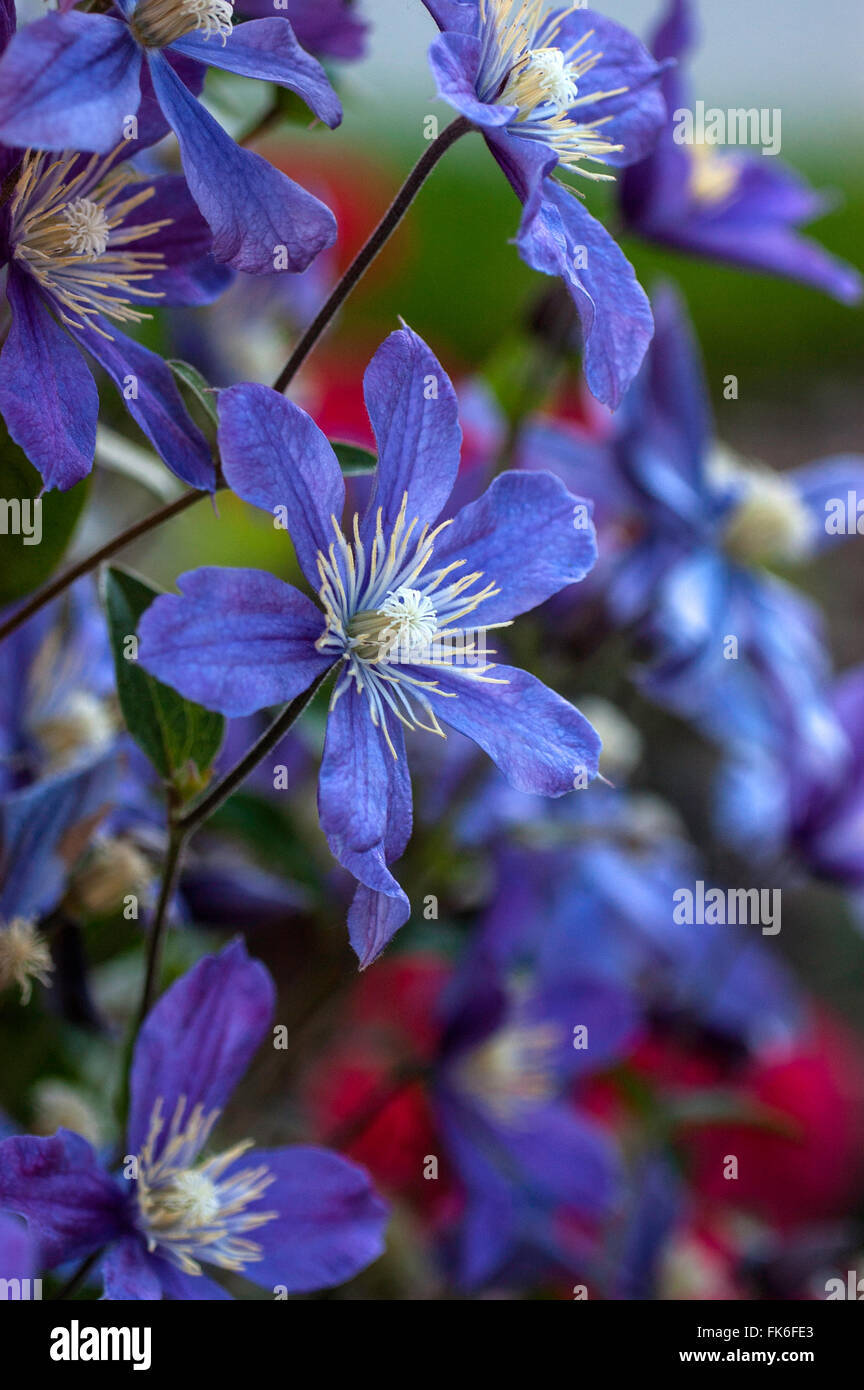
[
  {"x": 56, "y": 689},
  {"x": 327, "y": 28},
  {"x": 693, "y": 532},
  {"x": 292, "y": 1219},
  {"x": 77, "y": 80},
  {"x": 502, "y": 1089},
  {"x": 728, "y": 206},
  {"x": 399, "y": 594},
  {"x": 565, "y": 90},
  {"x": 43, "y": 830},
  {"x": 92, "y": 244}
]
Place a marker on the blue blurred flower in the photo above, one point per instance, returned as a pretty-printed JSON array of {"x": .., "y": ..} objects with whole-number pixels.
[
  {"x": 552, "y": 92},
  {"x": 396, "y": 592},
  {"x": 691, "y": 531},
  {"x": 733, "y": 207},
  {"x": 294, "y": 1219}
]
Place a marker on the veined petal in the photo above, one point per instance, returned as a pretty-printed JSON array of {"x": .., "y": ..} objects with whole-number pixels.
[
  {"x": 258, "y": 216},
  {"x": 58, "y": 1185},
  {"x": 268, "y": 49},
  {"x": 274, "y": 455},
  {"x": 539, "y": 741},
  {"x": 234, "y": 640},
  {"x": 497, "y": 535},
  {"x": 634, "y": 117},
  {"x": 191, "y": 275},
  {"x": 364, "y": 805},
  {"x": 151, "y": 396},
  {"x": 68, "y": 81},
  {"x": 414, "y": 414},
  {"x": 329, "y": 1225},
  {"x": 373, "y": 920},
  {"x": 199, "y": 1038},
  {"x": 129, "y": 1273},
  {"x": 455, "y": 60},
  {"x": 613, "y": 308},
  {"x": 47, "y": 395}
]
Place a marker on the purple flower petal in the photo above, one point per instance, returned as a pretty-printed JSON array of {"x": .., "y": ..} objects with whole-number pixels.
[
  {"x": 151, "y": 396},
  {"x": 373, "y": 920},
  {"x": 233, "y": 640},
  {"x": 199, "y": 1038},
  {"x": 128, "y": 1272},
  {"x": 33, "y": 824},
  {"x": 497, "y": 535},
  {"x": 829, "y": 480},
  {"x": 413, "y": 410},
  {"x": 259, "y": 218},
  {"x": 636, "y": 116},
  {"x": 275, "y": 456},
  {"x": 455, "y": 62},
  {"x": 191, "y": 275},
  {"x": 330, "y": 1222},
  {"x": 329, "y": 28},
  {"x": 17, "y": 1255},
  {"x": 68, "y": 82},
  {"x": 58, "y": 1185},
  {"x": 364, "y": 801},
  {"x": 268, "y": 49},
  {"x": 539, "y": 741},
  {"x": 559, "y": 237},
  {"x": 47, "y": 395}
]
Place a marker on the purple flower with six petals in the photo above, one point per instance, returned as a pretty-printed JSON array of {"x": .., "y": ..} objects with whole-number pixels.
[
  {"x": 550, "y": 92},
  {"x": 292, "y": 1219},
  {"x": 77, "y": 80},
  {"x": 396, "y": 591}
]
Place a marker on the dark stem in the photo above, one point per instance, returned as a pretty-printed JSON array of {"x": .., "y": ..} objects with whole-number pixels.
[
  {"x": 364, "y": 258},
  {"x": 177, "y": 837},
  {"x": 77, "y": 1277},
  {"x": 232, "y": 780},
  {"x": 90, "y": 562}
]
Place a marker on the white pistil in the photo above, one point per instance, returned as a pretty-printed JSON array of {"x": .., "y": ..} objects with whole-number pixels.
[
  {"x": 89, "y": 228},
  {"x": 69, "y": 230},
  {"x": 158, "y": 23},
  {"x": 191, "y": 1211},
  {"x": 384, "y": 608},
  {"x": 523, "y": 66}
]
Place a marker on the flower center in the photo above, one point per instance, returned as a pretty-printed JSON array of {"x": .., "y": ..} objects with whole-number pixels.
[
  {"x": 402, "y": 629},
  {"x": 83, "y": 724},
  {"x": 192, "y": 1211},
  {"x": 512, "y": 1071},
  {"x": 157, "y": 23},
  {"x": 543, "y": 79},
  {"x": 523, "y": 65},
  {"x": 89, "y": 228},
  {"x": 69, "y": 231},
  {"x": 24, "y": 957},
  {"x": 712, "y": 177},
  {"x": 388, "y": 610},
  {"x": 770, "y": 521}
]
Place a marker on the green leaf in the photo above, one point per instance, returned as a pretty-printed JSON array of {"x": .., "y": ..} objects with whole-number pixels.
[
  {"x": 180, "y": 738},
  {"x": 199, "y": 386},
  {"x": 34, "y": 531},
  {"x": 352, "y": 459}
]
